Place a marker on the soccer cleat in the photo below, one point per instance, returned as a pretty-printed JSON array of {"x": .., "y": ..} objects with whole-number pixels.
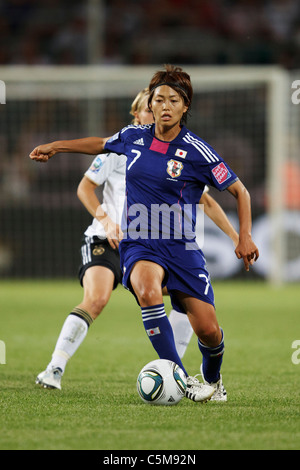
[
  {"x": 220, "y": 393},
  {"x": 197, "y": 391},
  {"x": 50, "y": 378}
]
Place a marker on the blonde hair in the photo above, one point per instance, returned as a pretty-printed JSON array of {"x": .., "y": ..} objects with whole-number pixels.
[{"x": 137, "y": 102}]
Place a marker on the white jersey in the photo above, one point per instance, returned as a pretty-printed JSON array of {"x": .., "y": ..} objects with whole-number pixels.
[{"x": 108, "y": 170}]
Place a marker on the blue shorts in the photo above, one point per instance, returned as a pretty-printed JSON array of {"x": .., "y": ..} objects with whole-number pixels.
[{"x": 185, "y": 270}]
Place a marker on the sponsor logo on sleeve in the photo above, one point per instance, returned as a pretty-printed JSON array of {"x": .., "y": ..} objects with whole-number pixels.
[
  {"x": 221, "y": 173},
  {"x": 96, "y": 165}
]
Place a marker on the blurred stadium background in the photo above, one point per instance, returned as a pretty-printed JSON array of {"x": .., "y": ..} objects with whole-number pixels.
[{"x": 72, "y": 69}]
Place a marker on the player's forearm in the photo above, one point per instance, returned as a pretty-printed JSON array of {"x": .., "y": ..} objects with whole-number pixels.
[
  {"x": 246, "y": 249},
  {"x": 215, "y": 212},
  {"x": 89, "y": 200},
  {"x": 88, "y": 145},
  {"x": 86, "y": 194},
  {"x": 242, "y": 196},
  {"x": 244, "y": 214}
]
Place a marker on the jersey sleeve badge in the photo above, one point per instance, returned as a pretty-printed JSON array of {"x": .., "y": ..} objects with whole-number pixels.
[
  {"x": 96, "y": 165},
  {"x": 221, "y": 173}
]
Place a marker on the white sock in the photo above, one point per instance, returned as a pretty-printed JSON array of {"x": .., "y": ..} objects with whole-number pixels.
[
  {"x": 72, "y": 334},
  {"x": 182, "y": 330}
]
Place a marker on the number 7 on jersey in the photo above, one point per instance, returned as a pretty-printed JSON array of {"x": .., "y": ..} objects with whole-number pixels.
[{"x": 138, "y": 154}]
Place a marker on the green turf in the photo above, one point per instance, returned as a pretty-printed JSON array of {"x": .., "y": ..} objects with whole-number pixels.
[{"x": 99, "y": 408}]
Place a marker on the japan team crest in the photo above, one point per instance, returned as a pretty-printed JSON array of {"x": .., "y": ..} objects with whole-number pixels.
[{"x": 174, "y": 168}]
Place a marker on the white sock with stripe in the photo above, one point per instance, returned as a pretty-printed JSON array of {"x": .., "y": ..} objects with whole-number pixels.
[{"x": 72, "y": 334}]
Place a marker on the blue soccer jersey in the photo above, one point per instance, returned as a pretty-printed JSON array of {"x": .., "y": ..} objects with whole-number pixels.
[{"x": 165, "y": 181}]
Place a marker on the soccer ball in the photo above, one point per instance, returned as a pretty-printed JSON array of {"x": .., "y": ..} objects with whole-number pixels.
[{"x": 161, "y": 382}]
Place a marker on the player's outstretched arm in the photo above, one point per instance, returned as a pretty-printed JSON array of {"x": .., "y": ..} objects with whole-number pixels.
[
  {"x": 88, "y": 145},
  {"x": 246, "y": 249}
]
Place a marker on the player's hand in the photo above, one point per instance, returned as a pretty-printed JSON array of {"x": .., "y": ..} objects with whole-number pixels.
[
  {"x": 113, "y": 232},
  {"x": 42, "y": 153},
  {"x": 248, "y": 251}
]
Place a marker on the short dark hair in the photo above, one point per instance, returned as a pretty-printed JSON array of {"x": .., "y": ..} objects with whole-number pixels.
[{"x": 176, "y": 78}]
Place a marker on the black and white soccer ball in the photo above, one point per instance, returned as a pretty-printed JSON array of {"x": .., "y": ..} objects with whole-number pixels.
[{"x": 161, "y": 382}]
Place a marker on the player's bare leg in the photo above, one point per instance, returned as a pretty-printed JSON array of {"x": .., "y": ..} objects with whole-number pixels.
[{"x": 98, "y": 284}]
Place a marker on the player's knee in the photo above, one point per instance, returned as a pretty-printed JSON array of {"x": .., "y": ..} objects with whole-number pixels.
[
  {"x": 211, "y": 336},
  {"x": 148, "y": 295}
]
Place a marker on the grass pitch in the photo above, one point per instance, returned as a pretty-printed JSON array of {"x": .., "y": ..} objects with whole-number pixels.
[{"x": 98, "y": 407}]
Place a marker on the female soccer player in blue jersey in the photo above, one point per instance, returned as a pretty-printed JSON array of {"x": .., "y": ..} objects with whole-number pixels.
[{"x": 167, "y": 170}]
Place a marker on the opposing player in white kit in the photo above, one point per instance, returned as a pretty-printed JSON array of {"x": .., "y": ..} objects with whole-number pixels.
[{"x": 100, "y": 271}]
